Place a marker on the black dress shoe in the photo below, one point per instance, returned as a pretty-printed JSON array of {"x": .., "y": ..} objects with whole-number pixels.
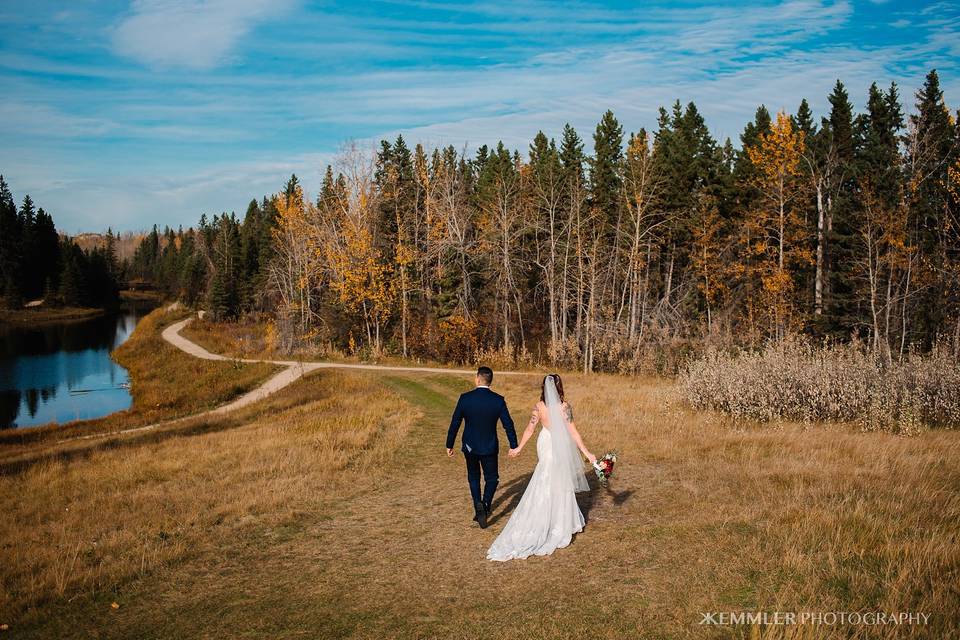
[{"x": 480, "y": 514}]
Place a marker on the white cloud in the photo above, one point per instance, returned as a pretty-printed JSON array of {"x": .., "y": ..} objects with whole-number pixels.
[
  {"x": 192, "y": 34},
  {"x": 83, "y": 201},
  {"x": 235, "y": 134}
]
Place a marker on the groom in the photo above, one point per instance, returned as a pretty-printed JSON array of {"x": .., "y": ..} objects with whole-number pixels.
[{"x": 481, "y": 408}]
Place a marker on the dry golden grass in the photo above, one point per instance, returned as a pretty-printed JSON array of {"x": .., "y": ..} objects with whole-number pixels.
[
  {"x": 86, "y": 527},
  {"x": 332, "y": 511},
  {"x": 245, "y": 338},
  {"x": 167, "y": 383},
  {"x": 799, "y": 380}
]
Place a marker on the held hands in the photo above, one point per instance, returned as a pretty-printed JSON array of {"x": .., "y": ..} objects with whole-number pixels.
[
  {"x": 513, "y": 453},
  {"x": 449, "y": 452}
]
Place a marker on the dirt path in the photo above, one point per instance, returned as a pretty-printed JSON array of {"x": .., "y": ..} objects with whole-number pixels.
[
  {"x": 293, "y": 371},
  {"x": 399, "y": 559}
]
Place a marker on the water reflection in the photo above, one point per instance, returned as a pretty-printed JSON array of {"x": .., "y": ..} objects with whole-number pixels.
[{"x": 63, "y": 372}]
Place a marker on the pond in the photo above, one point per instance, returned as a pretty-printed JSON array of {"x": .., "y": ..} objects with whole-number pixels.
[{"x": 63, "y": 372}]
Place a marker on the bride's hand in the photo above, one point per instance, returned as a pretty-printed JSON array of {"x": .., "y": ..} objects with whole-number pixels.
[{"x": 592, "y": 458}]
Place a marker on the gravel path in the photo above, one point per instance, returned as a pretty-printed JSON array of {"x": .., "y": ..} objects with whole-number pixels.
[{"x": 291, "y": 372}]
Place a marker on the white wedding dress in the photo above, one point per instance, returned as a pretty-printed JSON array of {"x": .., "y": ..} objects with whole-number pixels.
[{"x": 547, "y": 516}]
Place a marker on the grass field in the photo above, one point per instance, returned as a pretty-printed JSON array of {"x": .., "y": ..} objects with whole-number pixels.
[{"x": 331, "y": 510}]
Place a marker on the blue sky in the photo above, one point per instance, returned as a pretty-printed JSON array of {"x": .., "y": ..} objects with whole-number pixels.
[{"x": 129, "y": 113}]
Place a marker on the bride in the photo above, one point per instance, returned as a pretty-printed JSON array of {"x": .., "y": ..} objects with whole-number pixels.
[{"x": 548, "y": 515}]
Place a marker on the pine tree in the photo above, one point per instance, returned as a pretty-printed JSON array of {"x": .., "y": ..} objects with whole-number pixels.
[
  {"x": 840, "y": 290},
  {"x": 878, "y": 161},
  {"x": 11, "y": 249},
  {"x": 932, "y": 149},
  {"x": 803, "y": 121},
  {"x": 250, "y": 266},
  {"x": 32, "y": 285},
  {"x": 606, "y": 168},
  {"x": 45, "y": 251},
  {"x": 73, "y": 281},
  {"x": 744, "y": 173}
]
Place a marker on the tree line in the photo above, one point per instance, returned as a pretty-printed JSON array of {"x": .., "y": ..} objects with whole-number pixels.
[
  {"x": 842, "y": 228},
  {"x": 36, "y": 262}
]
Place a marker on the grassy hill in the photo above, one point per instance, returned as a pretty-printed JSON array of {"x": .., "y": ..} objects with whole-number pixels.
[{"x": 331, "y": 510}]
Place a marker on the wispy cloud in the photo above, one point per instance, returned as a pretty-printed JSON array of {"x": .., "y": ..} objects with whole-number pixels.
[
  {"x": 192, "y": 34},
  {"x": 192, "y": 106}
]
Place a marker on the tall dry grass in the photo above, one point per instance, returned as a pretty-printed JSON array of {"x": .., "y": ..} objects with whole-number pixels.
[
  {"x": 302, "y": 517},
  {"x": 85, "y": 526},
  {"x": 796, "y": 380},
  {"x": 702, "y": 517}
]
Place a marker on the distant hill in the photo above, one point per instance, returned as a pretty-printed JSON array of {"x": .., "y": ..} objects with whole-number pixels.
[{"x": 126, "y": 242}]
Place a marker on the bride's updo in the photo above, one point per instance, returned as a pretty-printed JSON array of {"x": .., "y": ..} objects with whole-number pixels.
[{"x": 557, "y": 381}]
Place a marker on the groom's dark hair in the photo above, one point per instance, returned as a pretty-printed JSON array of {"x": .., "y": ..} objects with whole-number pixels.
[{"x": 485, "y": 374}]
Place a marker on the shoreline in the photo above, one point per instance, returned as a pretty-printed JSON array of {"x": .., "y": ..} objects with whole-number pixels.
[
  {"x": 49, "y": 315},
  {"x": 45, "y": 316},
  {"x": 155, "y": 368}
]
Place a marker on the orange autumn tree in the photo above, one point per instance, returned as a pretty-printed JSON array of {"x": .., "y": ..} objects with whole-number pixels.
[
  {"x": 778, "y": 239},
  {"x": 707, "y": 257},
  {"x": 360, "y": 276},
  {"x": 294, "y": 273}
]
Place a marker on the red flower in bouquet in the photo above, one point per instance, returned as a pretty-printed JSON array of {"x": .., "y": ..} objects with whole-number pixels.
[{"x": 604, "y": 467}]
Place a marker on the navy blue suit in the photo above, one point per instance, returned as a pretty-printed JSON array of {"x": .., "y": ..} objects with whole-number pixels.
[{"x": 480, "y": 410}]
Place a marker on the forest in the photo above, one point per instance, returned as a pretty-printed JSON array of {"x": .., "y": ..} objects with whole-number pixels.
[
  {"x": 618, "y": 257},
  {"x": 38, "y": 263}
]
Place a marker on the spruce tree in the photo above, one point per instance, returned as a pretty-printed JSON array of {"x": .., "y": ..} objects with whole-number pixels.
[
  {"x": 878, "y": 162},
  {"x": 11, "y": 249},
  {"x": 931, "y": 151},
  {"x": 571, "y": 154},
  {"x": 606, "y": 169},
  {"x": 45, "y": 254},
  {"x": 840, "y": 297}
]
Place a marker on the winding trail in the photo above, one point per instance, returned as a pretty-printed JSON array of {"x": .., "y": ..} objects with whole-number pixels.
[{"x": 291, "y": 372}]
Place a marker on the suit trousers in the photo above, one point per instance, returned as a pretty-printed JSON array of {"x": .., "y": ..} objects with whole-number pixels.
[{"x": 491, "y": 478}]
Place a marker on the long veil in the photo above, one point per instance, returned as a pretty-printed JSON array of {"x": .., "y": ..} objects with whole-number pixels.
[{"x": 567, "y": 465}]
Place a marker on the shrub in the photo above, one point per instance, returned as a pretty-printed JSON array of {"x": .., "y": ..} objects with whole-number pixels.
[{"x": 796, "y": 380}]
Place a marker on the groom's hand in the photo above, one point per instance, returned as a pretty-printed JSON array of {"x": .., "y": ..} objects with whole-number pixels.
[
  {"x": 513, "y": 453},
  {"x": 449, "y": 452}
]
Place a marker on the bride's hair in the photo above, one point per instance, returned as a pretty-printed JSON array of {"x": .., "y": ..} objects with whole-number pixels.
[{"x": 557, "y": 381}]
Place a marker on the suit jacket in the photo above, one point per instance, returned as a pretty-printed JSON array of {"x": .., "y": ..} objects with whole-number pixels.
[{"x": 480, "y": 409}]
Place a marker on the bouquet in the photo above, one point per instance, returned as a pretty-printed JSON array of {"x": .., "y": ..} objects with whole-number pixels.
[{"x": 604, "y": 467}]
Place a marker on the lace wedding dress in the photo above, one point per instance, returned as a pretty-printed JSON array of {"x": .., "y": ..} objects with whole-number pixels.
[{"x": 547, "y": 516}]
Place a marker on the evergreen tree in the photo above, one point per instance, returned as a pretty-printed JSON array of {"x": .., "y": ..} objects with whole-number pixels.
[
  {"x": 224, "y": 292},
  {"x": 840, "y": 297},
  {"x": 688, "y": 162},
  {"x": 803, "y": 121},
  {"x": 45, "y": 249},
  {"x": 11, "y": 249},
  {"x": 571, "y": 154},
  {"x": 73, "y": 282},
  {"x": 606, "y": 168},
  {"x": 744, "y": 173},
  {"x": 31, "y": 285},
  {"x": 932, "y": 148},
  {"x": 879, "y": 155}
]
